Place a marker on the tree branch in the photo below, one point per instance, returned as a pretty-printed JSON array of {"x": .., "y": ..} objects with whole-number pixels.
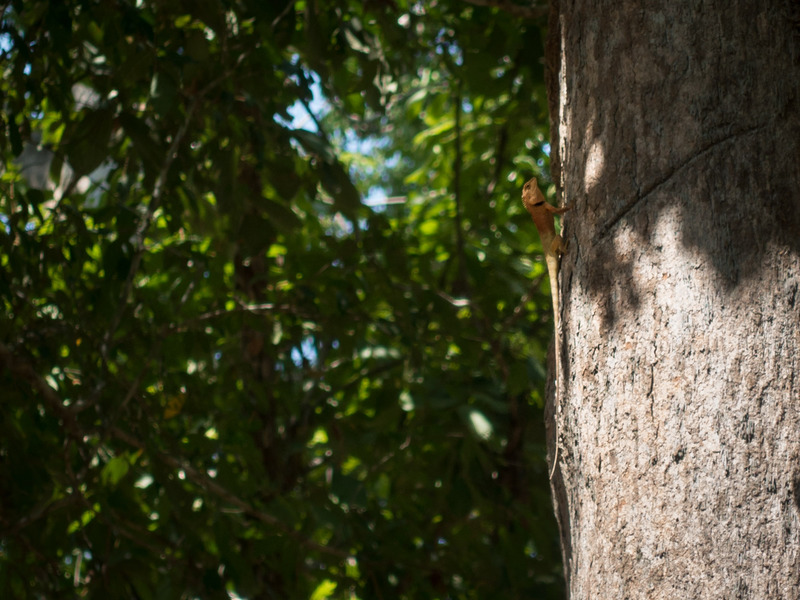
[
  {"x": 23, "y": 370},
  {"x": 213, "y": 488}
]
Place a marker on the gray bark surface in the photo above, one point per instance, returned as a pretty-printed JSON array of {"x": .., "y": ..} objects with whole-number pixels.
[{"x": 676, "y": 134}]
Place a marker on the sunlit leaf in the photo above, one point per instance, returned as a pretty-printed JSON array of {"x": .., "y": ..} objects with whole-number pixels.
[{"x": 324, "y": 590}]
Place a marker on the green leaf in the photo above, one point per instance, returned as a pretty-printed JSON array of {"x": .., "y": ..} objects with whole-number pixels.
[
  {"x": 337, "y": 183},
  {"x": 89, "y": 148},
  {"x": 148, "y": 149},
  {"x": 314, "y": 144},
  {"x": 164, "y": 92},
  {"x": 283, "y": 217},
  {"x": 115, "y": 470},
  {"x": 324, "y": 590},
  {"x": 13, "y": 135}
]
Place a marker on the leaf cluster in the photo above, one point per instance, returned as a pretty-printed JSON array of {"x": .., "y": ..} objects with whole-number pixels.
[{"x": 229, "y": 366}]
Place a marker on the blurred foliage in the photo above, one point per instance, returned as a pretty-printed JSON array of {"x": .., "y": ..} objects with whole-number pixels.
[{"x": 228, "y": 367}]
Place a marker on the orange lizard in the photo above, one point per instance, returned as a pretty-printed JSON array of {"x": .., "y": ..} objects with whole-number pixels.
[{"x": 553, "y": 246}]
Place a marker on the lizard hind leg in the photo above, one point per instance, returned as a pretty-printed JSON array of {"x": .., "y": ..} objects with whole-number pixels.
[{"x": 558, "y": 246}]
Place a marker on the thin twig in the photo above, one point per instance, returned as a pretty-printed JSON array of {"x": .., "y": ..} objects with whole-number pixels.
[
  {"x": 39, "y": 512},
  {"x": 457, "y": 163},
  {"x": 155, "y": 202},
  {"x": 519, "y": 309},
  {"x": 284, "y": 12},
  {"x": 499, "y": 152}
]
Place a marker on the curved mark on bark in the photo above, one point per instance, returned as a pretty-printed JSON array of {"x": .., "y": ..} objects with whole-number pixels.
[{"x": 605, "y": 229}]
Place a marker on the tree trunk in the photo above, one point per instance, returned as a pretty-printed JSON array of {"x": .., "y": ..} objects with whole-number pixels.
[{"x": 676, "y": 134}]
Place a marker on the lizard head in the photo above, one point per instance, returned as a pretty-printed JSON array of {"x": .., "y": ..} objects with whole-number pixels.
[
  {"x": 528, "y": 185},
  {"x": 531, "y": 195}
]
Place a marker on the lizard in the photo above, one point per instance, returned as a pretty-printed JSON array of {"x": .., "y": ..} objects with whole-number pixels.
[{"x": 553, "y": 245}]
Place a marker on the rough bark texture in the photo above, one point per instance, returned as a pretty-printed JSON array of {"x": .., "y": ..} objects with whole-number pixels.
[{"x": 676, "y": 133}]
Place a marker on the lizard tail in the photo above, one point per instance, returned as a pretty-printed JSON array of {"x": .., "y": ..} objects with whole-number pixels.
[{"x": 552, "y": 271}]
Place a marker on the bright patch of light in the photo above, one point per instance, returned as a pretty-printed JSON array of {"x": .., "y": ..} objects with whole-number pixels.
[{"x": 143, "y": 482}]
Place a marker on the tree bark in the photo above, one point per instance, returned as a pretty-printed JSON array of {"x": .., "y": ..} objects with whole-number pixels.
[{"x": 676, "y": 134}]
